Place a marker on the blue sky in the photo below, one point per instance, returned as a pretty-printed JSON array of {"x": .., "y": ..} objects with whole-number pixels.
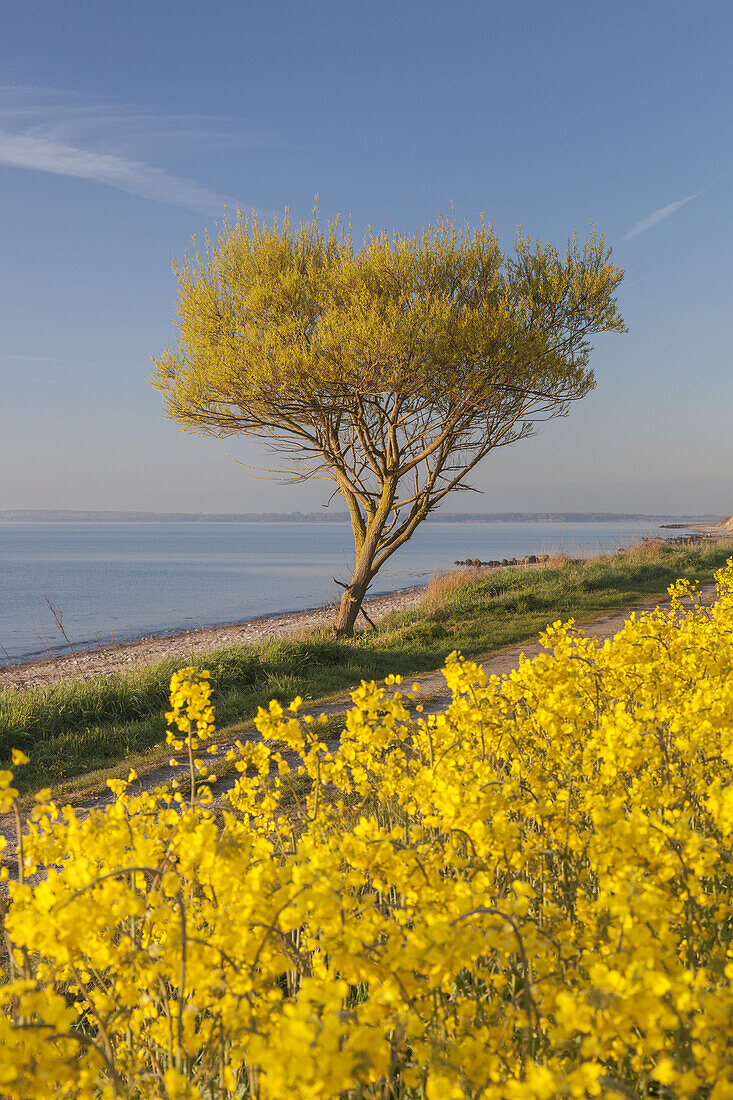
[{"x": 125, "y": 127}]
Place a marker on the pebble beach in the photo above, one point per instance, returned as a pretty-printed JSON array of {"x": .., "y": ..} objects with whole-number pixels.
[{"x": 185, "y": 646}]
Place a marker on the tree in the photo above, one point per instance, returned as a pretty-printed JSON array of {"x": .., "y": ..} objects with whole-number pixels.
[{"x": 391, "y": 369}]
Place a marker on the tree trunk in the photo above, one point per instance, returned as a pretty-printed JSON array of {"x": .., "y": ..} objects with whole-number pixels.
[
  {"x": 366, "y": 541},
  {"x": 353, "y": 598}
]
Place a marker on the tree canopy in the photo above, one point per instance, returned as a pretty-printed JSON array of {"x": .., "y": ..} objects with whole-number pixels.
[{"x": 390, "y": 369}]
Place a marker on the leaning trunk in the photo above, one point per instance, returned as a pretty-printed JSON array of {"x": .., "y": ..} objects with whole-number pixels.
[
  {"x": 367, "y": 544},
  {"x": 353, "y": 598}
]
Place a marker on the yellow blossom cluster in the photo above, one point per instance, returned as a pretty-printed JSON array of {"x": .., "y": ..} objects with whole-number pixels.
[
  {"x": 193, "y": 715},
  {"x": 524, "y": 897}
]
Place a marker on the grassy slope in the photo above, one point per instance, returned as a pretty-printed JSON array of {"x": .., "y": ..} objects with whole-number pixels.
[{"x": 73, "y": 728}]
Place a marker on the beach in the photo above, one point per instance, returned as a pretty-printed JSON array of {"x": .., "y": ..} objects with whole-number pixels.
[{"x": 186, "y": 646}]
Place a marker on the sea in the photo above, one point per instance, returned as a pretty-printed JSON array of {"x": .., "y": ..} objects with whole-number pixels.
[{"x": 97, "y": 582}]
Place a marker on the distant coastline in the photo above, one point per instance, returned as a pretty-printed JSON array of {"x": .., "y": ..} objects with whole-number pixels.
[{"x": 15, "y": 515}]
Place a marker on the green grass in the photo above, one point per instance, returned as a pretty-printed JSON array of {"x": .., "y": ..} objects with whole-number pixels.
[{"x": 72, "y": 728}]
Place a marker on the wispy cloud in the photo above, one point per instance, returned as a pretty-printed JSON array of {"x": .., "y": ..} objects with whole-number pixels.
[
  {"x": 46, "y": 130},
  {"x": 658, "y": 216},
  {"x": 135, "y": 176},
  {"x": 125, "y": 129}
]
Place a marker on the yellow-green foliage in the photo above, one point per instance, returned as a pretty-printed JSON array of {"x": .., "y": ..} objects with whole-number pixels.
[
  {"x": 526, "y": 896},
  {"x": 391, "y": 370},
  {"x": 278, "y": 326}
]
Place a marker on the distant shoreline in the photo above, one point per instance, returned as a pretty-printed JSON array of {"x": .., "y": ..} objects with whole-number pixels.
[{"x": 17, "y": 515}]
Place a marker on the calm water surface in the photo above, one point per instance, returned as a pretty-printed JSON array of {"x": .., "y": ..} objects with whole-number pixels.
[{"x": 126, "y": 580}]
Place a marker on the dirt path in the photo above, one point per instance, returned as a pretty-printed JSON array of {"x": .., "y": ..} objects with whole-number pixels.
[{"x": 432, "y": 692}]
